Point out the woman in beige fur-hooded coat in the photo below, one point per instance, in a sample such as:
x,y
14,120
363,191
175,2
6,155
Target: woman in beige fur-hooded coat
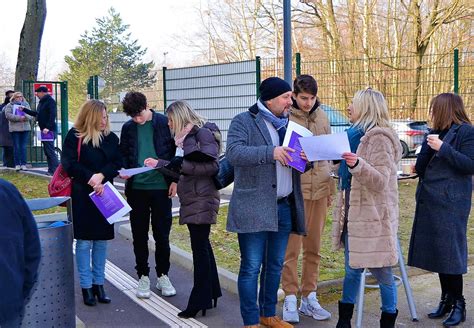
x,y
369,230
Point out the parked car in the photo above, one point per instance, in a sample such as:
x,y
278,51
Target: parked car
x,y
411,134
337,119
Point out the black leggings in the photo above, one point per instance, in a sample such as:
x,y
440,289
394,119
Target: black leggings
x,y
451,284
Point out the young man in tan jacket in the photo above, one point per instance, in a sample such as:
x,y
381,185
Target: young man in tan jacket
x,y
317,187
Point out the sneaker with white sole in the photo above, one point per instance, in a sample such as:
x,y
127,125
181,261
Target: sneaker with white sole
x,y
290,309
23,167
17,167
311,307
164,284
143,289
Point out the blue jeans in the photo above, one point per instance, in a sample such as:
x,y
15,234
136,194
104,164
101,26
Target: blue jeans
x,y
20,140
51,158
265,250
96,275
384,276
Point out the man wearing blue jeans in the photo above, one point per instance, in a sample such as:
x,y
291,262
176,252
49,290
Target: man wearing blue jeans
x,y
266,204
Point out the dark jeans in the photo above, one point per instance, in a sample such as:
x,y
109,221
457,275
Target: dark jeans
x,y
48,147
266,251
8,159
206,280
20,140
158,204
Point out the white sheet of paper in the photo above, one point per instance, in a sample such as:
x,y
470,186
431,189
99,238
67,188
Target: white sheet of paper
x,y
325,147
299,129
134,171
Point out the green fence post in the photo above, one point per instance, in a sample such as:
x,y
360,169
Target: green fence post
x,y
258,75
456,71
96,86
90,89
64,110
164,88
298,64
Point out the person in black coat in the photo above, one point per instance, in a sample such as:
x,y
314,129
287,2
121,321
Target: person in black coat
x,y
199,143
445,166
46,112
149,194
20,254
6,141
97,162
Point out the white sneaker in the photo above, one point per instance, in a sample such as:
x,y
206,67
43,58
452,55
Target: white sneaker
x,y
17,167
290,312
23,167
164,284
311,307
143,289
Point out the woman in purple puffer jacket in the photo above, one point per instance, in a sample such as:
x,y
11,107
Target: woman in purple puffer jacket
x,y
198,142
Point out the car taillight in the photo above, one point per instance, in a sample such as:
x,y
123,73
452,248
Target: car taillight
x,y
412,133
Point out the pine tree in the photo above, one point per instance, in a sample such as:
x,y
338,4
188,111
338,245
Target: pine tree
x,y
107,51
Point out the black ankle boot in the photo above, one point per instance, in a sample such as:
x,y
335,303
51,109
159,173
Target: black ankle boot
x,y
191,313
98,290
345,315
458,313
387,320
88,296
445,306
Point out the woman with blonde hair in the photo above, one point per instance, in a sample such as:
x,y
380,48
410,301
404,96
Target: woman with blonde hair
x,y
91,158
19,125
368,216
445,166
198,142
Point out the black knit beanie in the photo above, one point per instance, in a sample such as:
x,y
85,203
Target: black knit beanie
x,y
273,87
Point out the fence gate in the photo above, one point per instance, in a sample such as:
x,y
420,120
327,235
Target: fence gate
x,y
59,91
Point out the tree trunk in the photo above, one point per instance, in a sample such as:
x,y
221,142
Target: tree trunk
x,y
30,42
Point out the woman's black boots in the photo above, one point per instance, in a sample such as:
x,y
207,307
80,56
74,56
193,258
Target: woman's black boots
x,y
458,313
98,290
444,307
345,315
88,296
387,320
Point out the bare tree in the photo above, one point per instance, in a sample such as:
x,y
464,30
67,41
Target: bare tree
x,y
30,42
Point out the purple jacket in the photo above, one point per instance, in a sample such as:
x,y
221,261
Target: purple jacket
x,y
197,193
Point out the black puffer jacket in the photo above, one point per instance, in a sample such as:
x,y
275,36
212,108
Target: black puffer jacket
x,y
162,140
197,193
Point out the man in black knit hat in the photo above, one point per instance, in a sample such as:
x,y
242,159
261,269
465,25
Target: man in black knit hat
x,y
266,203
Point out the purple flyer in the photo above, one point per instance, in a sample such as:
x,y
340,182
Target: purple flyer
x,y
111,204
46,136
298,163
17,111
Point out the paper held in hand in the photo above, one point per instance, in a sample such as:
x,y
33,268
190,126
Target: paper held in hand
x,y
45,136
293,132
325,147
111,204
135,171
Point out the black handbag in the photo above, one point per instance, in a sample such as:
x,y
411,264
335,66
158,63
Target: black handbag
x,y
225,176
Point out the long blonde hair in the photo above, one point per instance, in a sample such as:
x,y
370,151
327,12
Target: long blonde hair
x,y
372,109
88,122
181,113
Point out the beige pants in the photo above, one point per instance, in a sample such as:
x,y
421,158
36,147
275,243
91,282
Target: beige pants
x,y
315,212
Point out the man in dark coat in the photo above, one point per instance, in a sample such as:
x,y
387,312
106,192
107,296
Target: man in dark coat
x,y
6,141
20,254
147,135
45,113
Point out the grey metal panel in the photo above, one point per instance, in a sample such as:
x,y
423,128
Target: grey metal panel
x,y
213,92
210,70
210,81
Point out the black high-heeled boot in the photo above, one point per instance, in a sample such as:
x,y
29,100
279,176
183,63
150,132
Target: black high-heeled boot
x,y
458,313
215,302
445,306
98,290
191,313
88,297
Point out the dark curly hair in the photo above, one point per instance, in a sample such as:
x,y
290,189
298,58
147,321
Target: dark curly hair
x,y
133,103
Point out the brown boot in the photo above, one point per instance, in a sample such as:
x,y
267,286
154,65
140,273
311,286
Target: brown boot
x,y
274,322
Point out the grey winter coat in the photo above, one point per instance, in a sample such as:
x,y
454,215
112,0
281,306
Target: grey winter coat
x,y
15,121
253,206
443,202
198,196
